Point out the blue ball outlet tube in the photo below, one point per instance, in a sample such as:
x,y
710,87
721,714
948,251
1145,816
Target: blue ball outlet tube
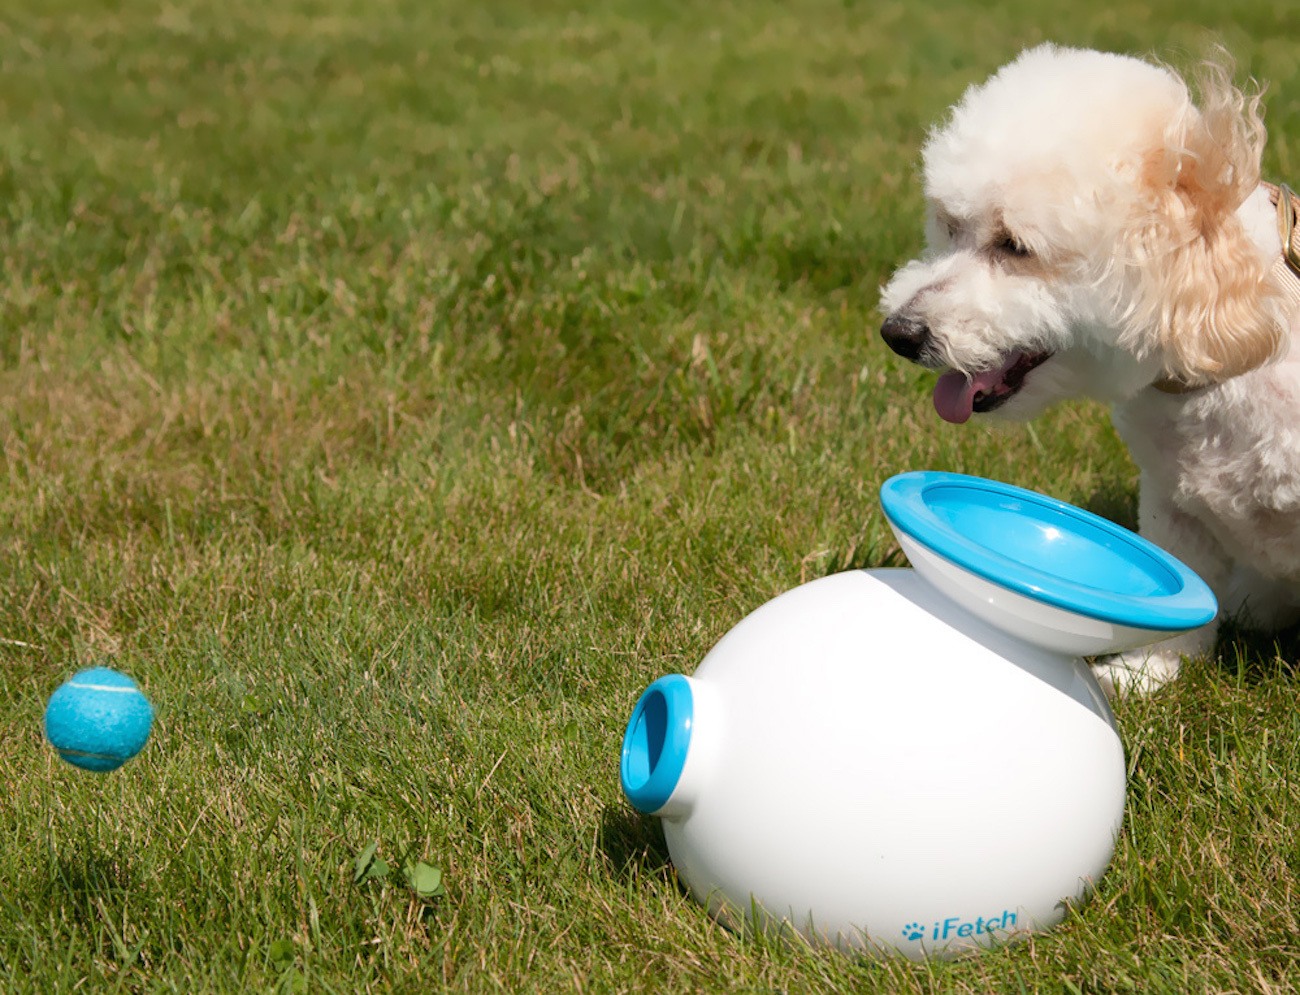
x,y
656,742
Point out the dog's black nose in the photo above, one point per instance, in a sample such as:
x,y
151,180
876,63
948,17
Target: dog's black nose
x,y
906,335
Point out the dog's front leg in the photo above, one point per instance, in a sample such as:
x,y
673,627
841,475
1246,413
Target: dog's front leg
x,y
1148,668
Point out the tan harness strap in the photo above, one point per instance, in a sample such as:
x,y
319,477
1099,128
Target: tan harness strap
x,y
1286,269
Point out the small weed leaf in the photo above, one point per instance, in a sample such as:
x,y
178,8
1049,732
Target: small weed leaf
x,y
282,952
424,880
361,866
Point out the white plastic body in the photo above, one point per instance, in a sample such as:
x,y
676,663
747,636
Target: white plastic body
x,y
1042,624
883,771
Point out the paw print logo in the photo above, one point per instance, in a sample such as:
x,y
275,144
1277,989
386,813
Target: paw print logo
x,y
913,931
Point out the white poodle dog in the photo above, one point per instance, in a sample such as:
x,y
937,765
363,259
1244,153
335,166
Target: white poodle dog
x,y
1096,230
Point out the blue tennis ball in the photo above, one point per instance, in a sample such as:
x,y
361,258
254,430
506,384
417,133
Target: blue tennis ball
x,y
98,719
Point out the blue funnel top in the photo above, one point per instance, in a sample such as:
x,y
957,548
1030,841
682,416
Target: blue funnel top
x,y
1048,550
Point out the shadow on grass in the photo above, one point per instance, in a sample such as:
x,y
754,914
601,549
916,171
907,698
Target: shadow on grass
x,y
1117,502
83,877
86,887
1255,657
634,843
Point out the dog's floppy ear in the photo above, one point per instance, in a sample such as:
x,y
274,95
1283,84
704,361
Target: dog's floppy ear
x,y
1203,285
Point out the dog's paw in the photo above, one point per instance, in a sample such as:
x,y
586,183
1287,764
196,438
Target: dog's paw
x,y
1147,669
1140,671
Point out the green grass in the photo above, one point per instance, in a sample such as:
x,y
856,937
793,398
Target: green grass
x,y
396,388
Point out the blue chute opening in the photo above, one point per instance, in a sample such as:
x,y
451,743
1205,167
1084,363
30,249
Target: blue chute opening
x,y
656,742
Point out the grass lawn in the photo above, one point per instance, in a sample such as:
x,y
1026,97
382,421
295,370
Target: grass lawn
x,y
395,388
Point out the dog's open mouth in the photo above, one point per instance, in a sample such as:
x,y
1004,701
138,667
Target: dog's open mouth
x,y
957,396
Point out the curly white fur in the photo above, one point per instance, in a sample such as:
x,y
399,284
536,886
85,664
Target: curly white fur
x,y
1087,213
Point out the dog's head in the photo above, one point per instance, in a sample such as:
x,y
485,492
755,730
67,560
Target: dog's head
x,y
1083,239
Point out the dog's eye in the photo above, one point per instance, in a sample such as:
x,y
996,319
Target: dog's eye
x,y
1008,245
946,224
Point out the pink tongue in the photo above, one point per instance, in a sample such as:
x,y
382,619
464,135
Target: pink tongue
x,y
954,394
